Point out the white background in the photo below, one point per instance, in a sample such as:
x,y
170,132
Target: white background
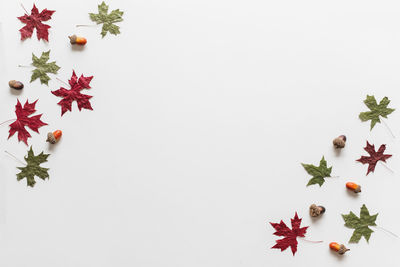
x,y
203,112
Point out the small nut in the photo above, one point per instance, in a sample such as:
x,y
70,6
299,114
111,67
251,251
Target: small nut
x,y
340,141
16,85
316,211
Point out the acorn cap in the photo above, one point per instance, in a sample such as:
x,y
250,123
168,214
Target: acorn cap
x,y
358,189
50,138
342,249
72,39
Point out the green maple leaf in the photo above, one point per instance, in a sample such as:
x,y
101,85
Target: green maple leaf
x,y
360,224
318,173
376,110
108,20
42,67
33,168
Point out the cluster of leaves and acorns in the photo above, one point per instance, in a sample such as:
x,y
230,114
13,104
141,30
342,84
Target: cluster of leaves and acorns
x,y
361,224
24,113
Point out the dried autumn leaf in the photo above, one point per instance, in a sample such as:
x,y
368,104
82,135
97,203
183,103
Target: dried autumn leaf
x,y
34,20
374,157
318,173
290,235
74,94
376,110
33,122
360,224
107,20
42,67
33,168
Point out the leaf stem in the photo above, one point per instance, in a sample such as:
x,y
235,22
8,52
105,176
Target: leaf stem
x,y
25,66
387,231
26,12
62,81
86,25
311,241
15,157
387,126
7,121
387,167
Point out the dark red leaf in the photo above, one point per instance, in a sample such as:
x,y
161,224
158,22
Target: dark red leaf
x,y
34,122
374,156
74,94
34,20
290,235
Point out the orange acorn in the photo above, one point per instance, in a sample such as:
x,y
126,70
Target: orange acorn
x,y
77,40
354,187
54,137
339,248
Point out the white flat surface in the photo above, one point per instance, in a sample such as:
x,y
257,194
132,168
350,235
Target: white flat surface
x,y
203,112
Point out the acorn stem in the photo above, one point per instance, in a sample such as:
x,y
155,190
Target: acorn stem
x,y
15,157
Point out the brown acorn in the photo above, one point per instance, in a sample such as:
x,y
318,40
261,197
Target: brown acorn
x,y
16,85
340,141
54,137
316,211
339,248
77,40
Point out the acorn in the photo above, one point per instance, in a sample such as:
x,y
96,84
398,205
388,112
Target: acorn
x,y
17,85
316,211
340,141
339,248
54,137
77,40
353,187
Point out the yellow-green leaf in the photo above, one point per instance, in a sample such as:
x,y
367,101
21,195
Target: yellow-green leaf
x,y
107,20
360,225
33,168
42,67
318,173
376,110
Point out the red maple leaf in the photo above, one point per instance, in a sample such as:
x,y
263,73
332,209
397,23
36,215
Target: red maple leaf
x,y
374,156
74,94
290,235
34,122
34,20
